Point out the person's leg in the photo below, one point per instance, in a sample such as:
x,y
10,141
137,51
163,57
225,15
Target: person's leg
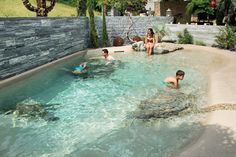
x,y
147,48
151,49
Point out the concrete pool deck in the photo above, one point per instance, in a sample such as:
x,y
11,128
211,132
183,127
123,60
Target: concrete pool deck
x,y
219,136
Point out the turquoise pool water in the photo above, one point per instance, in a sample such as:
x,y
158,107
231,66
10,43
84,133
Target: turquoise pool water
x,y
93,110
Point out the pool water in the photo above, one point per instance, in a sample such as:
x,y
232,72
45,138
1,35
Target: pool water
x,y
93,109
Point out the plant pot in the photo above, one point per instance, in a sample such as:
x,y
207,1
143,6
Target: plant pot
x,y
118,41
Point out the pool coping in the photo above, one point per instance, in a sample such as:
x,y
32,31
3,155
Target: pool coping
x,y
29,73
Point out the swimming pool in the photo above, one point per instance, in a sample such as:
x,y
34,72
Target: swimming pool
x,y
94,109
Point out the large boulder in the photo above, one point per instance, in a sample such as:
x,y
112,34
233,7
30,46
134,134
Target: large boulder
x,y
164,105
32,109
160,48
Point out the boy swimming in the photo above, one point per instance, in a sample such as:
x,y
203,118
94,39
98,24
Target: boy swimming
x,y
81,69
173,81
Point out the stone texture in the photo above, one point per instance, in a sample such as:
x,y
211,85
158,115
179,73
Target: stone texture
x,y
205,33
45,39
162,48
119,26
164,105
26,43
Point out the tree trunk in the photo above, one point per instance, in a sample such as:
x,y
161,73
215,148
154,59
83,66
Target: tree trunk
x,y
105,7
81,7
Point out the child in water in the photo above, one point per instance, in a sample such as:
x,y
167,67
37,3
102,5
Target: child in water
x,y
108,57
173,81
81,69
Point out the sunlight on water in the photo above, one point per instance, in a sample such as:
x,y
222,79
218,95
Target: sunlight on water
x,y
93,109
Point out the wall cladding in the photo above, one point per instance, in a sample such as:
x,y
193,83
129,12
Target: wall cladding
x,y
26,43
119,26
205,33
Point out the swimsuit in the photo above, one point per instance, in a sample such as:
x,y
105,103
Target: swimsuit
x,y
150,40
165,83
79,68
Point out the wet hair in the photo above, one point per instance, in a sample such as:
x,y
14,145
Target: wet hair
x,y
180,73
105,51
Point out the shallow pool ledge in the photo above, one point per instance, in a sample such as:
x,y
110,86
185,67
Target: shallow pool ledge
x,y
26,74
219,136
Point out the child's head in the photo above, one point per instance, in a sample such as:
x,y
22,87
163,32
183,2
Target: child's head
x,y
105,52
180,74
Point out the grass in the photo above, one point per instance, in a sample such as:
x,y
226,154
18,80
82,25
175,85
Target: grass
x,y
15,8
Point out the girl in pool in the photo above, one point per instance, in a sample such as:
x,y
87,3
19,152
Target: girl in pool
x,y
150,41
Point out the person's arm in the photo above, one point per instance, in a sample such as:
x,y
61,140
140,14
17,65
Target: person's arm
x,y
175,84
145,40
155,39
172,83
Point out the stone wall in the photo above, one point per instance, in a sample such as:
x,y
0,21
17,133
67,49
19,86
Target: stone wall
x,y
26,43
120,25
205,33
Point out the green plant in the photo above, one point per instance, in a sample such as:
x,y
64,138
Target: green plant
x,y
161,31
197,7
104,30
93,32
226,38
201,43
185,37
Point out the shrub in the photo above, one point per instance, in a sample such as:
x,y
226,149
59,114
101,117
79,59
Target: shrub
x,y
93,32
185,37
160,31
226,38
201,43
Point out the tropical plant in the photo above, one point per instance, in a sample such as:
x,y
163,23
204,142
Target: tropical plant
x,y
81,7
93,32
185,37
226,38
161,31
199,7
